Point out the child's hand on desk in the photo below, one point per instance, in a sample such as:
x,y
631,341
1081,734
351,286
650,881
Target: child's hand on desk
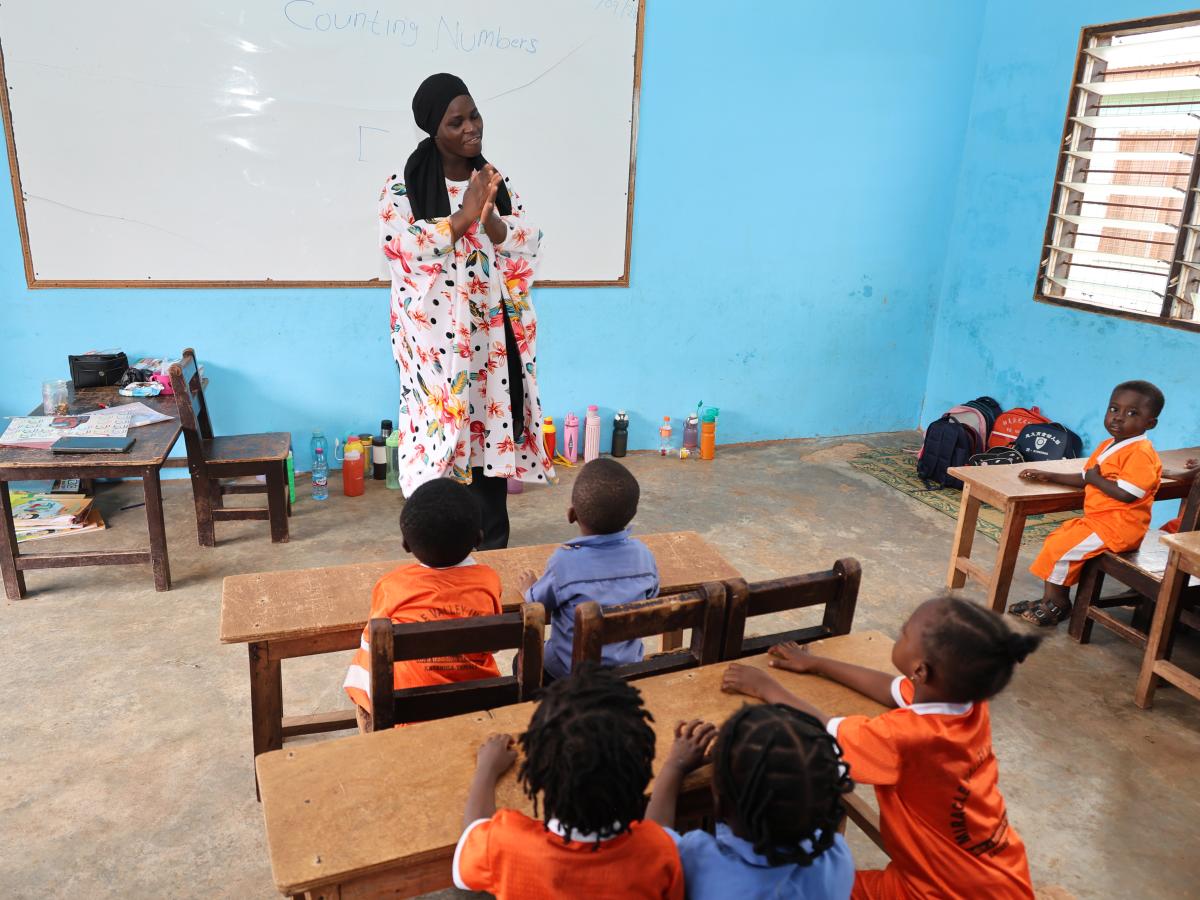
x,y
741,679
496,755
525,581
793,657
692,742
1035,475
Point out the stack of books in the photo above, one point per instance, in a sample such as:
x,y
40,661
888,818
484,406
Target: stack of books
x,y
37,516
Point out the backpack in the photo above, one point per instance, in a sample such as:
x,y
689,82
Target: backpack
x,y
1040,443
947,443
974,420
1009,424
990,408
998,456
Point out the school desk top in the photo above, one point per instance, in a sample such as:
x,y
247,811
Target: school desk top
x,y
300,602
152,445
998,485
1187,545
340,809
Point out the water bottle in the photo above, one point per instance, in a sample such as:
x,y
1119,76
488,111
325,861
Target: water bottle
x,y
664,437
549,437
378,458
320,474
352,467
385,428
691,428
620,439
708,433
291,472
392,445
570,438
318,440
591,434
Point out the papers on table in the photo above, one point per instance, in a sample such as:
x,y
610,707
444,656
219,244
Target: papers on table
x,y
139,414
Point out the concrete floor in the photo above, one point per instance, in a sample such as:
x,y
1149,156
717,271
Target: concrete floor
x,y
125,767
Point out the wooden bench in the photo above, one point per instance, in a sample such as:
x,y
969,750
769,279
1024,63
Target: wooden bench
x,y
702,610
392,643
835,589
342,823
1141,569
304,612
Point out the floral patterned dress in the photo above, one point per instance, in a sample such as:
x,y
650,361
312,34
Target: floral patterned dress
x,y
448,338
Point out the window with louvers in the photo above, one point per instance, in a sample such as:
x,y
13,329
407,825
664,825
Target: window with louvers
x,y
1123,235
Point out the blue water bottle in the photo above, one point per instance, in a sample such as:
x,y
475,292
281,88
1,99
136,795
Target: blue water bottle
x,y
320,475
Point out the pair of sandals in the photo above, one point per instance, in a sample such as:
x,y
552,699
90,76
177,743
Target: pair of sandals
x,y
1041,612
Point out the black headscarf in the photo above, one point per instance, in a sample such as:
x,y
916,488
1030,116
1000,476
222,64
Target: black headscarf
x,y
424,177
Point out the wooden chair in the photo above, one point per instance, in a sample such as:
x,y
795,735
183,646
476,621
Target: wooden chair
x,y
701,610
836,589
392,643
212,458
1140,569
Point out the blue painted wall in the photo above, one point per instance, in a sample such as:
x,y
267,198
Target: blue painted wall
x,y
991,337
795,186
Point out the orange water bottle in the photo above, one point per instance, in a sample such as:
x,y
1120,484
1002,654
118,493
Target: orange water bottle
x,y
708,433
549,437
353,460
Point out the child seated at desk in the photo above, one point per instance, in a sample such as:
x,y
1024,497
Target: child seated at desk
x,y
930,758
604,564
588,755
778,781
440,525
1119,482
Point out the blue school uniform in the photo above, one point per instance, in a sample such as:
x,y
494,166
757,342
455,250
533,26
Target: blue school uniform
x,y
608,568
725,866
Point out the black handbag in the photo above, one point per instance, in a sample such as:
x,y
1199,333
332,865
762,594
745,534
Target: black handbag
x,y
97,369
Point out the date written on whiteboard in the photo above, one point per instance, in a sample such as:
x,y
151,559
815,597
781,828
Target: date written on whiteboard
x,y
619,8
331,17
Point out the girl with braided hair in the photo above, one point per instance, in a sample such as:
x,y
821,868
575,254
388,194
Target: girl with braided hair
x,y
588,756
930,757
778,781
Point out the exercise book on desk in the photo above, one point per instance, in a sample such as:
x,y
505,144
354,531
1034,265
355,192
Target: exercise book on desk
x,y
40,432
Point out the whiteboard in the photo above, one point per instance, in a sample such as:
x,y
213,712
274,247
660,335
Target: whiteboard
x,y
190,142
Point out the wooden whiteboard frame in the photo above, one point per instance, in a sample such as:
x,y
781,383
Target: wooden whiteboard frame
x,y
33,282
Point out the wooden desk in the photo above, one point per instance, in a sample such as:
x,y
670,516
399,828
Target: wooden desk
x,y
309,611
355,818
1183,562
1003,488
144,460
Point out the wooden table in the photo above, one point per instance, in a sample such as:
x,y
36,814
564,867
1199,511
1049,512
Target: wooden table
x,y
1003,488
1183,563
150,449
359,817
304,612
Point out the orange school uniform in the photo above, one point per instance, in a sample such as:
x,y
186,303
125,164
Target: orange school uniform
x,y
941,813
1107,524
419,593
511,855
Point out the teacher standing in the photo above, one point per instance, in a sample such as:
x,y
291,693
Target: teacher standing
x,y
462,255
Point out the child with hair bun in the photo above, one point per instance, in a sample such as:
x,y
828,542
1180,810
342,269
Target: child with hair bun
x,y
930,757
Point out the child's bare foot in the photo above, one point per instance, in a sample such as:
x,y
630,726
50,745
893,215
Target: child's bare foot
x,y
791,656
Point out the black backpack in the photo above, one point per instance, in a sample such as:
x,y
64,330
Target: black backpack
x,y
1049,441
948,443
997,456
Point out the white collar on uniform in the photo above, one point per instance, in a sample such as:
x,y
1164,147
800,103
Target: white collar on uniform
x,y
556,827
469,561
1118,445
926,709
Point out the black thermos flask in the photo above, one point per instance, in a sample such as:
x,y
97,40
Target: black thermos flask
x,y
620,440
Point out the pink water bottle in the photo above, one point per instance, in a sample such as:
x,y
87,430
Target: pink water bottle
x,y
570,440
591,434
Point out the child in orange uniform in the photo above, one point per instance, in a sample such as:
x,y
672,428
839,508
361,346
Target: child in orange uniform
x,y
1119,482
441,524
588,753
930,758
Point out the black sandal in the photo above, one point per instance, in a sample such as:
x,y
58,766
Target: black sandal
x,y
1022,605
1046,614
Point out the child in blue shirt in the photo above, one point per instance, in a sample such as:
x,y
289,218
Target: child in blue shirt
x,y
778,781
603,564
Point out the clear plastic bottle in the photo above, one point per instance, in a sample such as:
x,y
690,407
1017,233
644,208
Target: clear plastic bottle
x,y
393,461
320,475
318,440
664,437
